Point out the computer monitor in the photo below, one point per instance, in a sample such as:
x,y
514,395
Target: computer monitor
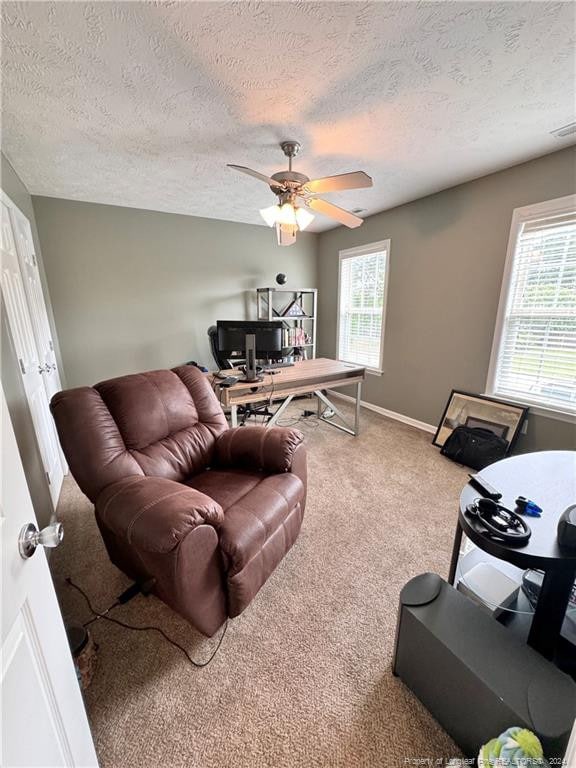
x,y
250,340
232,338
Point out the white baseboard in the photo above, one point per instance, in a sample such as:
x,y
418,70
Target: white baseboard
x,y
389,414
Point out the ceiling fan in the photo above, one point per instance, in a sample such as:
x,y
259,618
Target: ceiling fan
x,y
297,195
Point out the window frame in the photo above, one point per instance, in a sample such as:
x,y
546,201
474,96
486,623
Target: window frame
x,y
520,216
363,250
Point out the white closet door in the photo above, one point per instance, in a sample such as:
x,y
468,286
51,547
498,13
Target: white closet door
x,y
31,365
36,303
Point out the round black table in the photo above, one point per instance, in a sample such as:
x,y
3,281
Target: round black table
x,y
549,479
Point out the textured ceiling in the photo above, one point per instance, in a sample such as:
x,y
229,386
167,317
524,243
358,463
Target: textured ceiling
x,y
143,104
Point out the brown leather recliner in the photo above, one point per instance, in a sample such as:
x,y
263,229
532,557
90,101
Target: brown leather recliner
x,y
205,510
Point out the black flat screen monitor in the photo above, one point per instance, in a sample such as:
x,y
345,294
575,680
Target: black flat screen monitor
x,y
232,338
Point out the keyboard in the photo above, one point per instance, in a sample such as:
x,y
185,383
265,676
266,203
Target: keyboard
x,y
275,366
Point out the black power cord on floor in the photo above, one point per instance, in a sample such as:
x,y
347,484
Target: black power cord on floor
x,y
124,598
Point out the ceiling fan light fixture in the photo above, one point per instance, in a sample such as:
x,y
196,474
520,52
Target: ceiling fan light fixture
x,y
287,215
270,214
303,218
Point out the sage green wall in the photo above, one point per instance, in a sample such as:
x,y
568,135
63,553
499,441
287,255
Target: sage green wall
x,y
11,379
446,265
134,289
137,289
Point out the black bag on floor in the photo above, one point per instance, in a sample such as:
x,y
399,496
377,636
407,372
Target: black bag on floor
x,y
474,446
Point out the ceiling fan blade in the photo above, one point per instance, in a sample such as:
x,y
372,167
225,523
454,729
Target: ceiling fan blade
x,y
261,176
334,212
355,180
285,236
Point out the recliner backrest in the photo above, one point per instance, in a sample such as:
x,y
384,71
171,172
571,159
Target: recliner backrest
x,y
160,423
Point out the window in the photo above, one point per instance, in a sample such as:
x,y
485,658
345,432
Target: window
x,y
362,304
534,351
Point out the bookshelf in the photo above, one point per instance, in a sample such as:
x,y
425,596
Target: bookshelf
x,y
274,303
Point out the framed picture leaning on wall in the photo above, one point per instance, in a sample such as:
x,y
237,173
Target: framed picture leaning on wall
x,y
465,409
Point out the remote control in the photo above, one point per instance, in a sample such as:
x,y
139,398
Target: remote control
x,y
229,381
484,487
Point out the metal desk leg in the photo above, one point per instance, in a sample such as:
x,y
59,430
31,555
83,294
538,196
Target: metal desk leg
x,y
344,426
234,415
455,554
357,408
550,611
279,411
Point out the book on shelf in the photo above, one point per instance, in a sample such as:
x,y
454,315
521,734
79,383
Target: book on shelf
x,y
294,337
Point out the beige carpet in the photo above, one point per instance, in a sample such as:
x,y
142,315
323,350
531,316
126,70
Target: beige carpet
x,y
303,677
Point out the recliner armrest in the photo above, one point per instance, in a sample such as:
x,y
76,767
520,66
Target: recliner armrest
x,y
155,514
270,450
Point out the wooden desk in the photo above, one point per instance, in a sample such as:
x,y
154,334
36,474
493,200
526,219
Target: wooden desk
x,y
304,377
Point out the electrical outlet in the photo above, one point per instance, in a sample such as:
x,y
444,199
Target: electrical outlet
x,y
524,430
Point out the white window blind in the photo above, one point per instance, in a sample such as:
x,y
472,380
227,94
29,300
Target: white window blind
x,y
363,278
536,347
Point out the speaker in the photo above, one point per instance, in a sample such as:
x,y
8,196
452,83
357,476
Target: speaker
x,y
473,674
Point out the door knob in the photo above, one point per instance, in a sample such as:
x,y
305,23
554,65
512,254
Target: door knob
x,y
30,537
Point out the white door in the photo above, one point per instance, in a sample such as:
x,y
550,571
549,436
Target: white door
x,y
42,713
36,304
31,366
